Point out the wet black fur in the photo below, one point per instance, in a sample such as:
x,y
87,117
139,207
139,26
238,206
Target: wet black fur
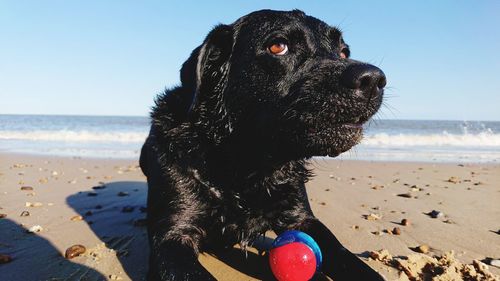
x,y
225,159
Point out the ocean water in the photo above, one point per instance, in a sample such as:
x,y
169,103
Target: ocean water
x,y
80,136
430,141
122,137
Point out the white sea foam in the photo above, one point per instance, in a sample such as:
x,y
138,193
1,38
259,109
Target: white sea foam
x,y
483,139
74,136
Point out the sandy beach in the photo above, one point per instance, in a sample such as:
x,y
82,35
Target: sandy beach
x,y
100,204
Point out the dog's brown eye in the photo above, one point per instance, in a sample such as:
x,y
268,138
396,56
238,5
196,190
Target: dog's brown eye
x,y
278,49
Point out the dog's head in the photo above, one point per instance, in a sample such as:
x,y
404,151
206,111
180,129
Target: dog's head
x,y
284,79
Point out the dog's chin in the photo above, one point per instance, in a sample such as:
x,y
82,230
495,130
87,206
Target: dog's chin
x,y
332,141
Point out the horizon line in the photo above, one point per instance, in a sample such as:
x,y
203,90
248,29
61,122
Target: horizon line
x,y
147,116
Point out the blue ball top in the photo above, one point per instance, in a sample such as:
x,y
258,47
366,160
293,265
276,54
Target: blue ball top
x,y
291,236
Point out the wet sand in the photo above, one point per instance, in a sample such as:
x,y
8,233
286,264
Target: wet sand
x,y
99,204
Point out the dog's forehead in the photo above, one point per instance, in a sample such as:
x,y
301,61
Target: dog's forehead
x,y
259,24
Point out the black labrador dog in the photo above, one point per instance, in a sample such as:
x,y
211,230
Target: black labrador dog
x,y
225,158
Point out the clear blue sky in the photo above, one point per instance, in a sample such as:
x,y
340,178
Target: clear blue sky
x,y
442,58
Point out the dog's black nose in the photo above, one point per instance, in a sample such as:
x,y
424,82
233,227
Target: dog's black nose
x,y
365,77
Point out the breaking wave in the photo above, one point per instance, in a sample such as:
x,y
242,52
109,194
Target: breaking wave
x,y
74,136
482,139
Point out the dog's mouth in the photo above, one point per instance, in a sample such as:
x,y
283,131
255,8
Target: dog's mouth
x,y
336,137
333,139
348,125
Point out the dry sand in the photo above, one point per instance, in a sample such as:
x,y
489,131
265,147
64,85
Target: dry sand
x,y
362,202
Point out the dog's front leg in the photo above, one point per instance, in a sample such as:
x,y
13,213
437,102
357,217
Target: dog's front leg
x,y
170,260
338,262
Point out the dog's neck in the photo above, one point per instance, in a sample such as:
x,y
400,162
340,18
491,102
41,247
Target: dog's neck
x,y
241,158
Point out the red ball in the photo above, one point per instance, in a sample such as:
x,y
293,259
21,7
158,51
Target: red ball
x,y
292,262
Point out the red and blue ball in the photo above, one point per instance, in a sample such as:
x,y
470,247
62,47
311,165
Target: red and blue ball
x,y
294,256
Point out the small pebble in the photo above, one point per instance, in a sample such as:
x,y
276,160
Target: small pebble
x,y
355,227
99,187
128,209
372,217
92,194
76,218
405,222
88,213
381,255
34,204
114,277
396,231
424,249
27,188
25,214
5,258
35,228
122,193
3,216
454,180
322,203
405,195
74,251
495,263
435,214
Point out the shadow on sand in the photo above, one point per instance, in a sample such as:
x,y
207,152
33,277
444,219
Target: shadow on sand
x,y
116,213
35,258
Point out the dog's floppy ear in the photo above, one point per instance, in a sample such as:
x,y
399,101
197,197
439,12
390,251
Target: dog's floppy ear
x,y
204,75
